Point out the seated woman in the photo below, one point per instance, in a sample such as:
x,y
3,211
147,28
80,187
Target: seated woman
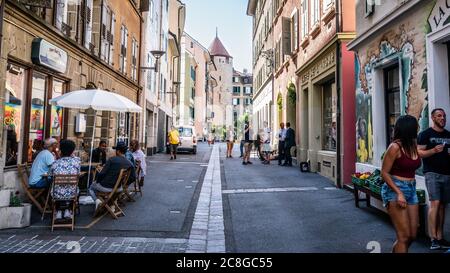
x,y
66,165
139,156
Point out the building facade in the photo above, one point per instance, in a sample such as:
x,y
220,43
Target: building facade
x,y
86,44
326,83
196,65
300,48
242,100
263,13
222,109
402,59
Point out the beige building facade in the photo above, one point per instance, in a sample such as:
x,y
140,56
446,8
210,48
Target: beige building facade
x,y
99,51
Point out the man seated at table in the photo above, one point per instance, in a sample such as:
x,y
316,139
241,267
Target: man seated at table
x,y
107,178
66,165
99,154
41,165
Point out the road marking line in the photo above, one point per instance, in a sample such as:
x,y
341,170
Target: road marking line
x,y
266,190
330,188
179,162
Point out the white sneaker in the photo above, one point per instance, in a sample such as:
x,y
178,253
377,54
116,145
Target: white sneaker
x,y
58,215
98,202
67,214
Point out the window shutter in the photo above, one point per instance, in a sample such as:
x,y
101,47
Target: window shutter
x,y
88,14
286,37
370,6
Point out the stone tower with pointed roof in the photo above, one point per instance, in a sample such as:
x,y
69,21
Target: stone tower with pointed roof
x,y
222,93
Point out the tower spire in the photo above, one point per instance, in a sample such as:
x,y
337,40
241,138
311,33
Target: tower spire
x,y
217,32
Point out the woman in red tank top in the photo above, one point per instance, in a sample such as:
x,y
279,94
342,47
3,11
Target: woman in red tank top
x,y
399,192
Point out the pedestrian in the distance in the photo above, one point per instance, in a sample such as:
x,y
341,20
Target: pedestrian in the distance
x,y
400,163
281,141
289,142
174,141
248,144
230,141
434,148
266,143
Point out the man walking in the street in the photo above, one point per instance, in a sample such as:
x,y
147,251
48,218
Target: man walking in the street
x,y
289,142
174,140
433,146
248,141
281,140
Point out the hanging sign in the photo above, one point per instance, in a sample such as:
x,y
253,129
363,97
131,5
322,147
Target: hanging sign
x,y
48,55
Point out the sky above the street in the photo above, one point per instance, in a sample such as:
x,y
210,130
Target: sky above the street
x,y
229,16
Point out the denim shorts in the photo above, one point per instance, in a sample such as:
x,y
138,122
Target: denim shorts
x,y
438,186
408,189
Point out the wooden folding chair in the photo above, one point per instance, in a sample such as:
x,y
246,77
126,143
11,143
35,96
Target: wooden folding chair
x,y
109,199
71,183
139,180
126,193
35,195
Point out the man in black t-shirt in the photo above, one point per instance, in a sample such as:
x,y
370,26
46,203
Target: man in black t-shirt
x,y
434,149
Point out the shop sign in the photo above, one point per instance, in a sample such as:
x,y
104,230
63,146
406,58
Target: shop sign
x,y
48,55
440,15
37,3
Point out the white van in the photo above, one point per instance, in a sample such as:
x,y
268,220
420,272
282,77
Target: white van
x,y
188,139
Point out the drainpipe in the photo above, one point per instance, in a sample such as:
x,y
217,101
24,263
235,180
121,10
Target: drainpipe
x,y
139,94
2,14
338,95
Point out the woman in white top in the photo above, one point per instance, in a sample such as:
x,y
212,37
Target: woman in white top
x,y
230,141
265,141
139,156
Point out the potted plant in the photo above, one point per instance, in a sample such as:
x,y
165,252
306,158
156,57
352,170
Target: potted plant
x,y
17,215
4,198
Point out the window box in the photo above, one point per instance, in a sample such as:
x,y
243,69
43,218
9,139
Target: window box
x,y
315,30
305,42
329,15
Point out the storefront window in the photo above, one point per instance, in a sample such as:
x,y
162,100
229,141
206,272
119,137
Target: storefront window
x,y
329,117
392,84
57,112
37,115
15,87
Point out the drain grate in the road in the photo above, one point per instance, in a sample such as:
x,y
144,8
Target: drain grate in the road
x,y
269,190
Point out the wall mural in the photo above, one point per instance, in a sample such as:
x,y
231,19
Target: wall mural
x,y
405,44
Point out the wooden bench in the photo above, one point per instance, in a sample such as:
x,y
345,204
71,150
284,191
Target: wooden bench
x,y
357,189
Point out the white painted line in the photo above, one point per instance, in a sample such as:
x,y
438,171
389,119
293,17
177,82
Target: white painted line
x,y
175,211
180,180
270,190
178,162
194,181
330,188
209,213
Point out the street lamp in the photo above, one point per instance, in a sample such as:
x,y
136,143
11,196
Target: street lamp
x,y
157,54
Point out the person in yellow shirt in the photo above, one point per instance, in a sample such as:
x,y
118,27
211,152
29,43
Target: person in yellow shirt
x,y
174,141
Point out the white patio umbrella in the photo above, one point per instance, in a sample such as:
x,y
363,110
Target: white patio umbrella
x,y
98,100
